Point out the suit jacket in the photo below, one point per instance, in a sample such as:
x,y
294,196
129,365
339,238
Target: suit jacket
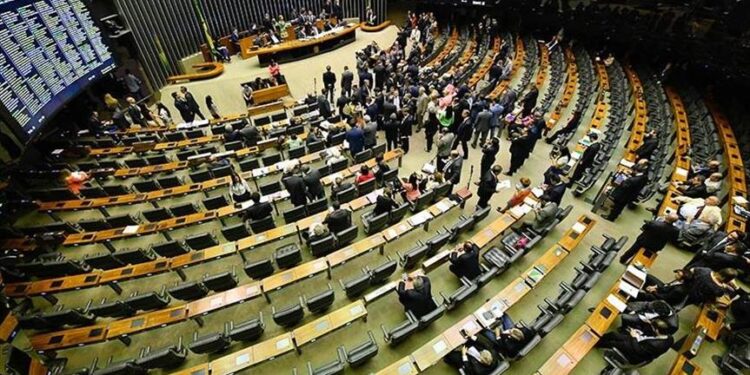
x,y
259,211
472,366
324,107
509,347
466,264
356,138
647,148
383,204
391,128
371,133
629,189
556,193
488,184
295,185
484,120
418,301
645,350
464,130
250,135
656,234
347,78
545,215
452,170
329,79
444,145
588,155
338,220
313,184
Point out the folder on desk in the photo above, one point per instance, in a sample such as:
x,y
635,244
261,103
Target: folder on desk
x,y
627,163
537,192
616,303
131,229
628,289
579,227
420,218
635,276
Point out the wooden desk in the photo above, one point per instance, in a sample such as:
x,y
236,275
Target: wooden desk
x,y
517,63
404,366
71,337
330,322
8,328
449,45
582,341
253,355
560,362
374,28
541,75
273,106
301,48
146,322
603,316
437,348
571,84
18,244
201,369
271,94
641,116
684,366
486,65
205,71
293,275
223,299
350,252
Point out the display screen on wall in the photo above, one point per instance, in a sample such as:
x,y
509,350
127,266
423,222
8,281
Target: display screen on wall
x,y
50,50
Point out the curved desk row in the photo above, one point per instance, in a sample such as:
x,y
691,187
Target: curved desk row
x,y
204,71
301,48
517,62
374,28
487,65
571,84
447,48
682,164
641,116
541,75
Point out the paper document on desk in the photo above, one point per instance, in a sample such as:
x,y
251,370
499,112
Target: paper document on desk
x,y
420,218
537,192
373,197
131,229
259,172
627,163
520,210
579,227
616,303
682,172
504,184
628,289
634,276
444,205
530,201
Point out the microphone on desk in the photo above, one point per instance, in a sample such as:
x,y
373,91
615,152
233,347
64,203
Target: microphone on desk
x,y
471,174
315,85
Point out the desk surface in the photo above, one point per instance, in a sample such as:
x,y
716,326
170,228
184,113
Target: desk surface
x,y
328,323
300,43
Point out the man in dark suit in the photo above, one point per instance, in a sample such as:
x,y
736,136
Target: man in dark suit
x,y
338,219
380,75
519,146
627,192
347,78
324,106
482,126
416,295
250,135
649,145
452,168
587,159
385,202
556,190
488,185
356,139
463,133
655,234
329,82
465,261
192,103
637,346
312,179
259,210
295,185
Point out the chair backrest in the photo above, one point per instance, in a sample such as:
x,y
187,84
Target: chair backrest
x,y
270,188
184,155
221,281
366,187
262,225
296,152
120,221
249,164
247,331
363,156
480,214
316,146
271,159
361,353
423,200
114,309
188,291
297,129
317,206
293,214
200,175
183,209
157,214
147,301
235,232
259,269
93,192
346,195
136,163
288,316
218,201
340,165
234,145
381,273
288,256
437,241
335,367
195,133
201,241
354,287
179,136
134,255
412,256
102,261
398,213
320,302
378,149
337,139
211,343
222,171
93,225
146,186
442,190
260,121
157,159
279,116
373,223
168,357
170,182
390,175
323,246
346,236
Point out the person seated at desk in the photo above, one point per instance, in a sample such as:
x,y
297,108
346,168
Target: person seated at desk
x,y
308,17
713,166
476,357
511,340
639,346
673,292
316,232
262,40
315,135
693,188
221,53
465,261
523,190
99,127
259,210
432,181
411,187
230,134
339,218
339,185
713,183
385,202
293,142
259,84
234,38
545,213
415,295
307,31
364,175
327,25
641,315
240,189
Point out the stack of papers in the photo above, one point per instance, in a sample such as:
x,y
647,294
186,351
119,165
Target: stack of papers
x,y
681,172
444,205
420,218
579,228
537,192
520,210
628,289
616,303
373,197
131,229
504,184
635,276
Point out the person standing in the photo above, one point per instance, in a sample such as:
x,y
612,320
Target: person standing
x,y
444,145
452,168
192,103
655,234
488,185
627,192
356,139
133,84
247,94
463,133
134,111
329,82
587,159
324,106
482,126
182,106
489,153
431,126
390,126
422,102
518,151
213,109
465,261
312,178
405,129
347,78
275,71
295,185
